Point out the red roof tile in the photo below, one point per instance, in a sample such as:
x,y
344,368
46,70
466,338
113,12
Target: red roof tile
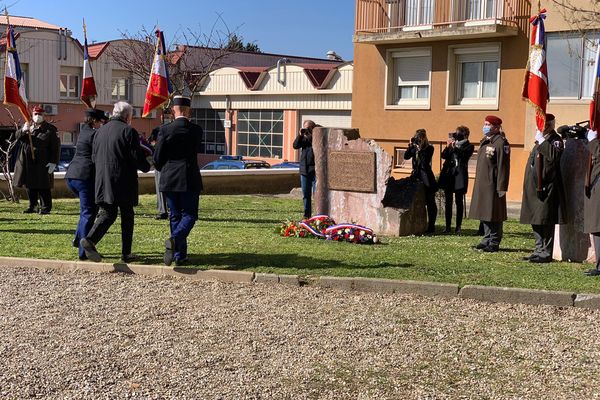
x,y
27,22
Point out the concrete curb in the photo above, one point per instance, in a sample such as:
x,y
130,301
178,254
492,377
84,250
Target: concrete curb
x,y
428,289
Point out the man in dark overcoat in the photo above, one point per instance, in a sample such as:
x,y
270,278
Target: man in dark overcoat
x,y
491,184
117,155
543,194
35,170
591,208
176,159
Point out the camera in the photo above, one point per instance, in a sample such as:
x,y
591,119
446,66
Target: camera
x,y
576,131
304,131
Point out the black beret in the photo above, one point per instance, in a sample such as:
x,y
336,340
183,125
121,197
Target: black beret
x,y
96,114
182,101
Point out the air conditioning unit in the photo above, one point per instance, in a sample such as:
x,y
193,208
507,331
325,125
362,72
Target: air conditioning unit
x,y
50,109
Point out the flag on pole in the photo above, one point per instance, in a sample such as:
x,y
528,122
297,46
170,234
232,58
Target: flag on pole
x,y
535,90
88,86
14,84
159,86
595,104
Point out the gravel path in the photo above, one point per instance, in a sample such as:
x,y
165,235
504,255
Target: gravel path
x,y
81,335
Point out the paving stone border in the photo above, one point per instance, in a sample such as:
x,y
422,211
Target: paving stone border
x,y
429,289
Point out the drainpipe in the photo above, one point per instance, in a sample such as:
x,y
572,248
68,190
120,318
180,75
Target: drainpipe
x,y
228,114
281,62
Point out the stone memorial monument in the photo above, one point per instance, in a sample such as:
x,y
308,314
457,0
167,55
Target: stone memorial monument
x,y
354,178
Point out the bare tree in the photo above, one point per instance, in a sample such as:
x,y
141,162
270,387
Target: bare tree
x,y
582,16
192,57
6,149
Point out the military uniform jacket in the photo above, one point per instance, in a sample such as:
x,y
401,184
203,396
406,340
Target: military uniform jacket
x,y
117,156
31,173
548,211
454,176
591,210
176,156
421,165
82,167
492,175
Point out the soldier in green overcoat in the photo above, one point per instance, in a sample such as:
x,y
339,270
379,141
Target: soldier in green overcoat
x,y
543,194
488,203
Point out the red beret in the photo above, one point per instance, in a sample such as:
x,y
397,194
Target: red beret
x,y
492,119
550,117
38,110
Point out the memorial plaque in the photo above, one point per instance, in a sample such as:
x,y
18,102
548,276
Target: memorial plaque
x,y
352,171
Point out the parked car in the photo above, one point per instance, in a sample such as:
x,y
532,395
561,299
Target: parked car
x,y
67,152
235,162
287,164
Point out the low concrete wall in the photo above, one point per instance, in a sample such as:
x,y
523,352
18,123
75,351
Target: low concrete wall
x,y
258,181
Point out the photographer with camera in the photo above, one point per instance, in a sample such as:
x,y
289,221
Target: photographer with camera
x,y
454,177
543,194
421,153
307,165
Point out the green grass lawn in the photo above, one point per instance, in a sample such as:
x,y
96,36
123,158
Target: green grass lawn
x,y
238,233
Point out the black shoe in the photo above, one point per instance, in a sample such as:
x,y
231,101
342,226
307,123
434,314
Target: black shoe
x,y
182,262
491,249
29,211
83,258
447,230
481,246
540,260
162,216
90,250
75,243
129,258
592,272
169,251
528,257
457,231
44,212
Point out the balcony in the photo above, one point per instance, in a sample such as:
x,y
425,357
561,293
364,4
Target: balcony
x,y
400,21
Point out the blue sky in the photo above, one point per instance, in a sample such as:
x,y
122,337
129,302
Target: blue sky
x,y
304,27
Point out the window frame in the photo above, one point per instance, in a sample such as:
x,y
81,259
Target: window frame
x,y
127,96
391,81
77,92
244,148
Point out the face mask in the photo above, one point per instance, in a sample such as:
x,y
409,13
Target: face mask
x,y
38,119
486,130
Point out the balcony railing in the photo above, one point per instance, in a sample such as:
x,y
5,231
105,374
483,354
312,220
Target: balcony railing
x,y
381,16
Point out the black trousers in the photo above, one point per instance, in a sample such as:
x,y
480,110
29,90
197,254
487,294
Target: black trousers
x,y
492,233
45,197
432,209
544,240
459,198
107,215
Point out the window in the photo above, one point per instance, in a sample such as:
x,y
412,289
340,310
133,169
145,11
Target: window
x,y
213,125
260,133
481,9
120,89
69,85
571,60
419,12
409,72
474,75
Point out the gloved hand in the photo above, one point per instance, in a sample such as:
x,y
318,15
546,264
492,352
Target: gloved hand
x,y
588,192
26,127
542,194
539,136
591,135
51,167
501,194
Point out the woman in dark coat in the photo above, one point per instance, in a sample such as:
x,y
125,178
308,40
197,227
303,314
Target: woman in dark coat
x,y
80,176
591,210
454,177
421,153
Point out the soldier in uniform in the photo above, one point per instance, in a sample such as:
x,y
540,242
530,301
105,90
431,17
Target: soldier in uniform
x,y
591,211
543,194
180,181
491,183
35,166
117,155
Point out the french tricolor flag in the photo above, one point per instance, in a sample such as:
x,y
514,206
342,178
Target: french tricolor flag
x,y
595,104
14,85
159,86
88,87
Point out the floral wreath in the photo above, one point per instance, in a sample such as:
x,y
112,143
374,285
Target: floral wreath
x,y
324,227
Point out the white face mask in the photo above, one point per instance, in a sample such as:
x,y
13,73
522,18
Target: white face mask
x,y
37,118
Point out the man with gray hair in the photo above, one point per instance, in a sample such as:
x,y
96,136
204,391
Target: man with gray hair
x,y
117,156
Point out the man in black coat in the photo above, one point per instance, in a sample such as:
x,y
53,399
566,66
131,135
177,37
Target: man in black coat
x,y
180,181
117,156
35,165
307,165
543,195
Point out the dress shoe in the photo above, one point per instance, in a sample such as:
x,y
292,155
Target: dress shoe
x,y
90,250
592,272
182,262
83,258
527,258
540,260
29,211
457,231
491,249
481,246
129,258
44,212
162,216
169,251
447,230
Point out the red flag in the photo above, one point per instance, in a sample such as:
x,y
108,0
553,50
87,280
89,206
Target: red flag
x,y
159,86
595,104
535,90
88,86
14,85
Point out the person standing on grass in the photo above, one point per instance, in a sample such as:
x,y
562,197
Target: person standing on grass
x,y
307,165
543,195
176,157
38,156
491,184
117,155
591,210
80,175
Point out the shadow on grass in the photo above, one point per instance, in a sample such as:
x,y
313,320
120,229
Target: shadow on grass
x,y
247,220
40,231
